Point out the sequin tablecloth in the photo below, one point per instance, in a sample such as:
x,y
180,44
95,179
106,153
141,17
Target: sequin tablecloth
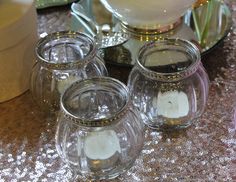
x,y
204,152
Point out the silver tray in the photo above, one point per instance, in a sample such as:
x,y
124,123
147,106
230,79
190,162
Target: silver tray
x,y
206,32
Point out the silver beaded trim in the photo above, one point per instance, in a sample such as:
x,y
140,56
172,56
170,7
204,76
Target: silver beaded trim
x,y
100,122
167,77
61,66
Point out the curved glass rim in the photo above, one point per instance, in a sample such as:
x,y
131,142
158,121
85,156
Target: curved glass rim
x,y
175,75
96,122
65,34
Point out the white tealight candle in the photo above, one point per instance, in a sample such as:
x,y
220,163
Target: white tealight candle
x,y
101,145
172,104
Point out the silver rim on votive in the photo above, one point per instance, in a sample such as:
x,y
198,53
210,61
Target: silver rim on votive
x,y
191,50
70,35
89,83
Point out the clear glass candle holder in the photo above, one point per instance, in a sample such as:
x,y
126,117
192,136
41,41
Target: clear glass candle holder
x,y
154,14
62,58
168,84
100,132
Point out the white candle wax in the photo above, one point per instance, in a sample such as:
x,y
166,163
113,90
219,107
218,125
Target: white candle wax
x,y
172,104
101,145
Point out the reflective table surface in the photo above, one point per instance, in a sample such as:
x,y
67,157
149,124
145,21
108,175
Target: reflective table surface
x,y
204,152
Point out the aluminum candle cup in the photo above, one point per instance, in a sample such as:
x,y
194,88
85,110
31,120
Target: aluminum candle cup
x,y
62,58
169,84
100,132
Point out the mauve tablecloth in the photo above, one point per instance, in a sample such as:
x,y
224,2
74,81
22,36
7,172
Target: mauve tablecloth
x,y
204,152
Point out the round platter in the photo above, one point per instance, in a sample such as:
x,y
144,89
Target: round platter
x,y
205,26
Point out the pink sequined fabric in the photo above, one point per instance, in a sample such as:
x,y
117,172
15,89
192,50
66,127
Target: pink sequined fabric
x,y
204,152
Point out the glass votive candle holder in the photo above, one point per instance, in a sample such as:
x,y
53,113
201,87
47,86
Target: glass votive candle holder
x,y
168,84
100,132
62,58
